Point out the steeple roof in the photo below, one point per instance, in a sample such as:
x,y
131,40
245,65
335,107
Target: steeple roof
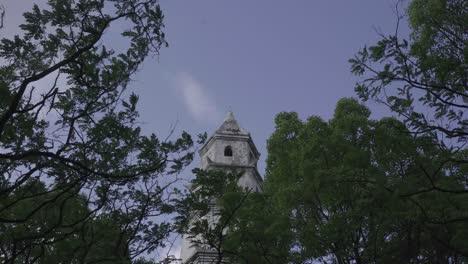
x,y
230,130
231,127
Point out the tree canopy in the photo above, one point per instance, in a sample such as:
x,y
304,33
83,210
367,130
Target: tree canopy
x,y
79,181
362,191
347,190
422,79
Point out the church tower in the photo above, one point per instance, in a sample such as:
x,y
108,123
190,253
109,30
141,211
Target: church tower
x,y
230,148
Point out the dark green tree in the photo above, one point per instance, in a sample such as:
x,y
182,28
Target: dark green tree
x,y
422,79
60,232
357,190
75,167
235,225
350,190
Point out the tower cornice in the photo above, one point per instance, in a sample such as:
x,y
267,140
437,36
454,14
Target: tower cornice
x,y
232,137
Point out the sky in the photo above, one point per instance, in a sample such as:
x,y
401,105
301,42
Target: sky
x,y
257,58
254,57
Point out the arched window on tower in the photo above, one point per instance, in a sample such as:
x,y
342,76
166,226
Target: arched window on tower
x,y
228,151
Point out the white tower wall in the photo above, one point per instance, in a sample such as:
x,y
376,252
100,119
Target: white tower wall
x,y
243,158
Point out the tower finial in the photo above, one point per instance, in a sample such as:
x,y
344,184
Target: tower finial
x,y
229,116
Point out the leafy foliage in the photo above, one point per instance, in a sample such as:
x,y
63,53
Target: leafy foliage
x,y
79,181
231,224
363,191
424,79
350,190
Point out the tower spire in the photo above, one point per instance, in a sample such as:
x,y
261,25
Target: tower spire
x,y
229,116
229,149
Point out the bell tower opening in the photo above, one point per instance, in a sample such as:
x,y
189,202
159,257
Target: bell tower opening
x,y
228,151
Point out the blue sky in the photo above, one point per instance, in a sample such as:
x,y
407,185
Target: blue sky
x,y
256,57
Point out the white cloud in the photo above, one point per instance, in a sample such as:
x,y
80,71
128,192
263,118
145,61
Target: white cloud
x,y
197,100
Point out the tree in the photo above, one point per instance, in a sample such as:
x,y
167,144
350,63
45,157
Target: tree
x,y
73,240
72,156
233,224
356,190
422,79
350,190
